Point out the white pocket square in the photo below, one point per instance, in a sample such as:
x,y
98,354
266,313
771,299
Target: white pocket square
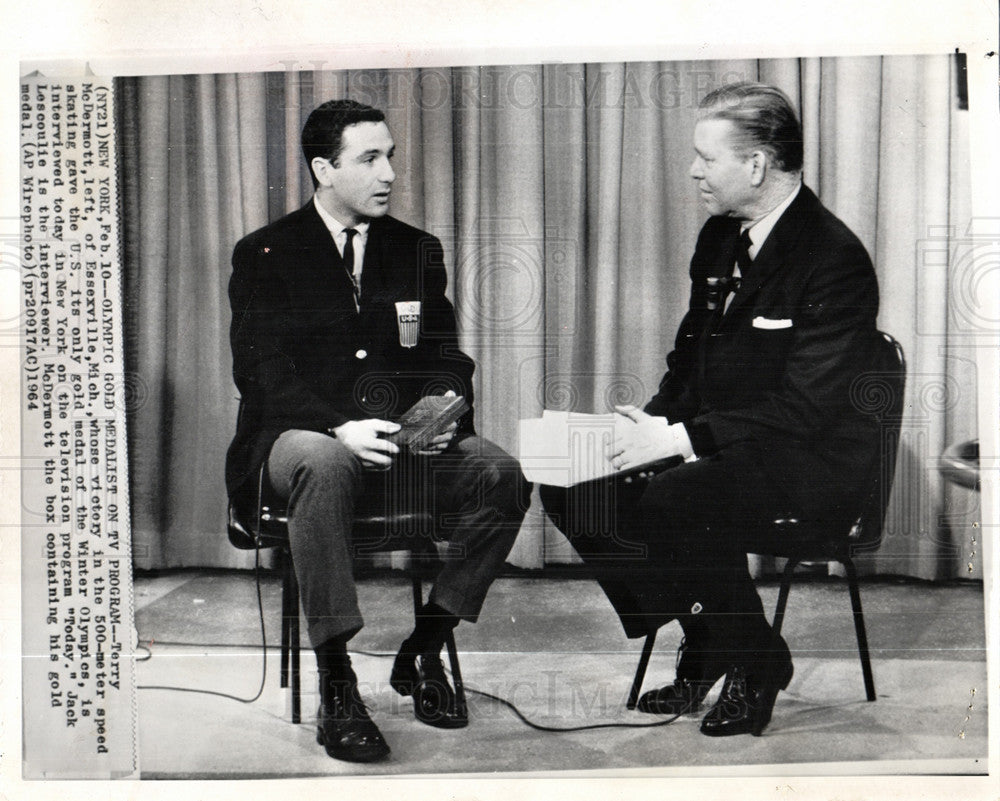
x,y
771,325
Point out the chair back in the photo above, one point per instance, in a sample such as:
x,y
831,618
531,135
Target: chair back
x,y
252,524
880,392
240,530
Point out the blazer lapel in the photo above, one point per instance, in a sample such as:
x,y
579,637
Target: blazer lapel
x,y
317,241
376,263
721,265
727,255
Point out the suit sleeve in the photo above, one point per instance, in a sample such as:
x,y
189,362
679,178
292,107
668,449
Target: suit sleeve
x,y
833,336
440,330
261,369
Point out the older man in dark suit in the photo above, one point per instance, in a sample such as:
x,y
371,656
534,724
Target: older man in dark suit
x,y
340,323
754,416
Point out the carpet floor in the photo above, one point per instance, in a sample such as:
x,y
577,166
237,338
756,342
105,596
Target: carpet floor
x,y
555,649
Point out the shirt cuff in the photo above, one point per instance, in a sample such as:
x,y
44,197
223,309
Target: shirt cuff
x,y
683,442
700,437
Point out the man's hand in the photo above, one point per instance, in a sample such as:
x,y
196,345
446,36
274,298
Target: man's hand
x,y
642,439
361,437
441,441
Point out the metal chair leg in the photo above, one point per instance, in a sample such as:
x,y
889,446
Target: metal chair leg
x,y
286,616
418,595
295,637
859,627
786,586
640,671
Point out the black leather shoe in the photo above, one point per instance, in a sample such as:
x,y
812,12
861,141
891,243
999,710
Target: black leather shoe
x,y
345,729
697,672
434,701
747,699
680,698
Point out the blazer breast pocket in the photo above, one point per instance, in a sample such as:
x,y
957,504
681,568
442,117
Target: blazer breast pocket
x,y
764,351
772,323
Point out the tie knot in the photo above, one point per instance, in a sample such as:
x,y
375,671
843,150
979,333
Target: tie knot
x,y
349,233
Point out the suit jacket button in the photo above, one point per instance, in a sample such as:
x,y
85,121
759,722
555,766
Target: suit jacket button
x,y
361,354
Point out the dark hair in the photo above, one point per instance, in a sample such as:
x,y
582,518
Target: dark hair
x,y
323,134
764,118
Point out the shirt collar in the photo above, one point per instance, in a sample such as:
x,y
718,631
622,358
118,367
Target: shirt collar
x,y
760,230
335,226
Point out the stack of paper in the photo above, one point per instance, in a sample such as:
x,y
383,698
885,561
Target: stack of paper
x,y
566,448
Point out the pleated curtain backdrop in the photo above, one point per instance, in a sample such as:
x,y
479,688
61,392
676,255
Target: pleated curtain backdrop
x,y
561,194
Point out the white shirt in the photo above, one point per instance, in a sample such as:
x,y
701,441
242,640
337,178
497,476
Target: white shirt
x,y
760,230
337,228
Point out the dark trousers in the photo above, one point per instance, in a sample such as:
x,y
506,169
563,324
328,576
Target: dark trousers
x,y
674,546
475,491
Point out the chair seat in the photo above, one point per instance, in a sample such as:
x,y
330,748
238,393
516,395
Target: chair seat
x,y
372,530
807,540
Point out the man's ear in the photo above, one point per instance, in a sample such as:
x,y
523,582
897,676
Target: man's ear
x,y
322,169
758,167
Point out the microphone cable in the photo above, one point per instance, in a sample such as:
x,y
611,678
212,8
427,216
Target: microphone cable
x,y
562,729
263,639
496,698
540,727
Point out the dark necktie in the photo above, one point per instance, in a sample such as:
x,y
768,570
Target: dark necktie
x,y
721,289
743,252
349,264
744,262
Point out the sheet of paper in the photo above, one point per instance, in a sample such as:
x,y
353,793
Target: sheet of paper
x,y
563,448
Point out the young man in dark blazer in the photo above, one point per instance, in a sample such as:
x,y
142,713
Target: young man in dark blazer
x,y
754,416
340,324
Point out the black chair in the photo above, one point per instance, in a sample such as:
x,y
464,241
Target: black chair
x,y
265,525
960,464
879,393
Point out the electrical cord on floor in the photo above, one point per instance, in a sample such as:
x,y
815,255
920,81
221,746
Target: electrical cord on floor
x,y
509,704
560,729
263,639
538,726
